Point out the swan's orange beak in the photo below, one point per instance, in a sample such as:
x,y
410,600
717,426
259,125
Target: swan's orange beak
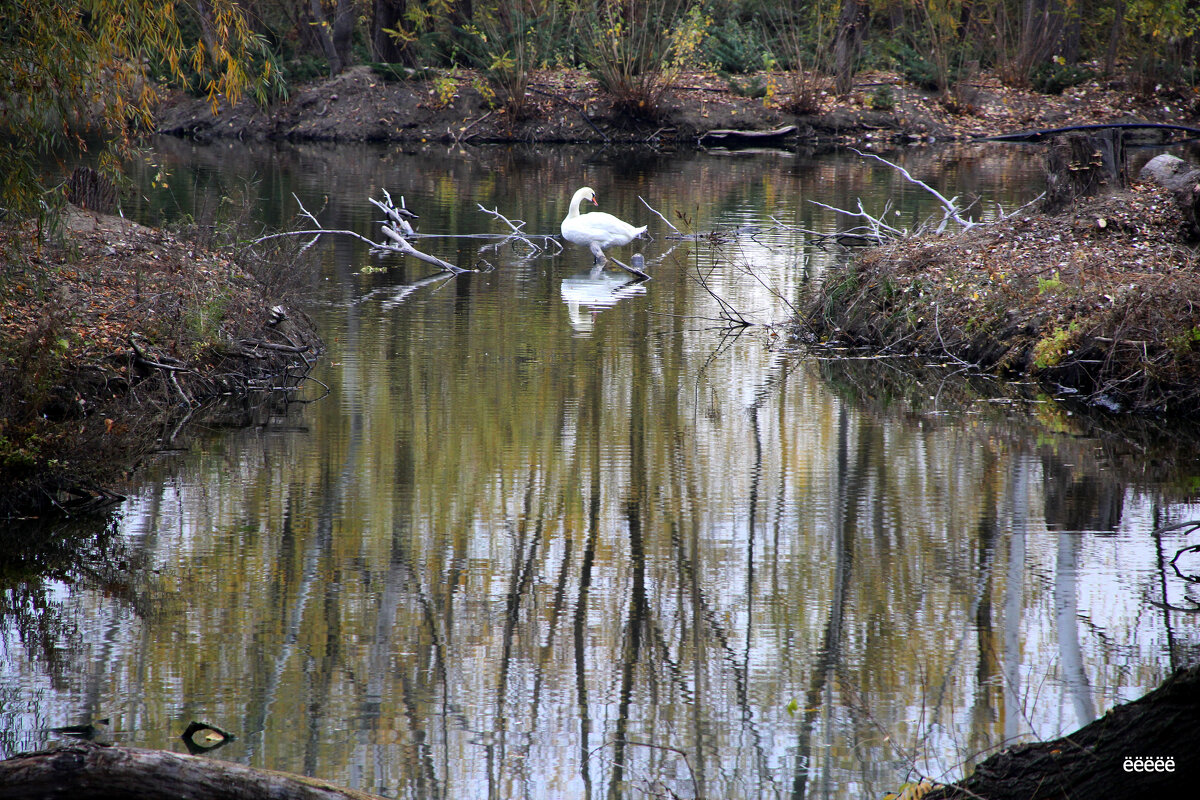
x,y
594,201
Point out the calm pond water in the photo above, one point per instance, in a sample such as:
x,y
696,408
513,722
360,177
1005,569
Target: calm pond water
x,y
554,534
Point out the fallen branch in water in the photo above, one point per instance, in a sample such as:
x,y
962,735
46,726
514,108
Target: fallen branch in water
x,y
396,228
519,235
950,208
638,267
660,216
878,231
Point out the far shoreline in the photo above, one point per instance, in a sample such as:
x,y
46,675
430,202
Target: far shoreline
x,y
568,107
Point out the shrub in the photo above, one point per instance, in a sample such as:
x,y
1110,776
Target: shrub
x,y
634,62
917,69
753,86
883,99
734,47
1051,349
1055,76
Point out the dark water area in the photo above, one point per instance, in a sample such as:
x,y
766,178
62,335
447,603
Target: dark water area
x,y
552,533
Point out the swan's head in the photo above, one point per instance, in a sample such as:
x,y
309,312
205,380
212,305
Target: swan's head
x,y
587,193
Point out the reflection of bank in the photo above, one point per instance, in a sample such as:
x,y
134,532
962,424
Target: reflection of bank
x,y
589,293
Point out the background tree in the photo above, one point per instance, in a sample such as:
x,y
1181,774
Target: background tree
x,y
81,69
336,35
387,17
851,28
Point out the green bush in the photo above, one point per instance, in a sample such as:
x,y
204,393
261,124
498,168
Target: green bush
x,y
1054,77
753,86
883,99
734,47
917,69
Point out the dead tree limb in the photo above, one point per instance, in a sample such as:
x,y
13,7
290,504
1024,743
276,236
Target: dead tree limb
x,y
519,235
723,136
878,231
396,229
106,772
1039,135
660,216
637,269
950,208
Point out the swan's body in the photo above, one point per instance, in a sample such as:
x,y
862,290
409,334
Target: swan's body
x,y
596,230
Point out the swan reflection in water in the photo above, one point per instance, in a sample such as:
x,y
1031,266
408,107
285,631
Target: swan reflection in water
x,y
589,293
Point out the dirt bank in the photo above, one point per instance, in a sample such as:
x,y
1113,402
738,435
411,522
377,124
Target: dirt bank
x,y
1097,303
111,335
568,106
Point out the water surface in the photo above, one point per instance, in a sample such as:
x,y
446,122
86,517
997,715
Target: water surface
x,y
551,533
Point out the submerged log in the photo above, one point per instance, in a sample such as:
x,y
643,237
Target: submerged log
x,y
1080,165
1149,747
1183,181
106,772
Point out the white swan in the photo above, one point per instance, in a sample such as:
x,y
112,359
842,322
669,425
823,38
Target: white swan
x,y
596,230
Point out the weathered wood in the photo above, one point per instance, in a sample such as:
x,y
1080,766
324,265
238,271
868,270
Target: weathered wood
x,y
91,771
1183,180
1045,133
1105,758
724,135
1080,165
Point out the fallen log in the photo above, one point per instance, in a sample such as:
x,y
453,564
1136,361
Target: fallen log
x,y
107,772
1183,181
726,136
1039,135
1146,748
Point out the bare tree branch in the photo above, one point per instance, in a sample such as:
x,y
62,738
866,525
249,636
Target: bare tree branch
x,y
950,206
519,235
396,232
660,216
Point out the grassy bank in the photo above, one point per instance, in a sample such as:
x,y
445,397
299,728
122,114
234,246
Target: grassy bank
x,y
109,331
1097,303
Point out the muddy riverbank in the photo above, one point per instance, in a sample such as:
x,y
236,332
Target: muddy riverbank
x,y
361,104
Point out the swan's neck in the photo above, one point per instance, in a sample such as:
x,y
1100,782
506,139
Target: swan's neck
x,y
573,211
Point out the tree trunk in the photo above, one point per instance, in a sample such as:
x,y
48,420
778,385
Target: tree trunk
x,y
1106,758
852,24
1080,165
105,772
335,38
343,31
1114,38
204,13
1042,26
389,14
